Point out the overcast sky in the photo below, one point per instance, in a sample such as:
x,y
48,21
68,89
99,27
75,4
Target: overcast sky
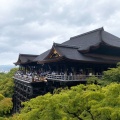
x,y
31,26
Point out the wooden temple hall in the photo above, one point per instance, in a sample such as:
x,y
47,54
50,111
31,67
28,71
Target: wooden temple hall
x,y
65,64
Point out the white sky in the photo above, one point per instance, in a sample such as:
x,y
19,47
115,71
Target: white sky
x,y
31,26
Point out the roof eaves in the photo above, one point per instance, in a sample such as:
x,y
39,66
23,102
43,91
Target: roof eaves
x,y
28,55
107,43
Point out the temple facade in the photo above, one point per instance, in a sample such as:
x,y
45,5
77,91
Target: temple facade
x,y
66,64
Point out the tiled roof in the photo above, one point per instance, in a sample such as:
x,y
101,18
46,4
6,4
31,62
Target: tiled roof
x,y
41,56
24,58
84,41
75,48
93,38
110,39
74,54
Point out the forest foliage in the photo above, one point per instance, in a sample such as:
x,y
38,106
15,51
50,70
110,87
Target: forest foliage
x,y
7,83
5,105
6,92
90,102
113,74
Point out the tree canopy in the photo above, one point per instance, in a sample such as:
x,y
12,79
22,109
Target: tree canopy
x,y
113,74
6,92
91,102
5,105
7,83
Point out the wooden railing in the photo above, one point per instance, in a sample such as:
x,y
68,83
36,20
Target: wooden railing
x,y
56,77
70,78
30,79
23,78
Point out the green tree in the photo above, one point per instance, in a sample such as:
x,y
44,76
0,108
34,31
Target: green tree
x,y
113,74
7,83
90,102
5,106
98,81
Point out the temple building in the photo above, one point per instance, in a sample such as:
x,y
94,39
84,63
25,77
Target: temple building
x,y
66,64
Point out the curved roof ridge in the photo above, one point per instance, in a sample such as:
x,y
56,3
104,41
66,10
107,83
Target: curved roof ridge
x,y
99,29
68,46
28,55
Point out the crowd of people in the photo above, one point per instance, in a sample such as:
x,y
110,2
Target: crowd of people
x,y
31,76
38,76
